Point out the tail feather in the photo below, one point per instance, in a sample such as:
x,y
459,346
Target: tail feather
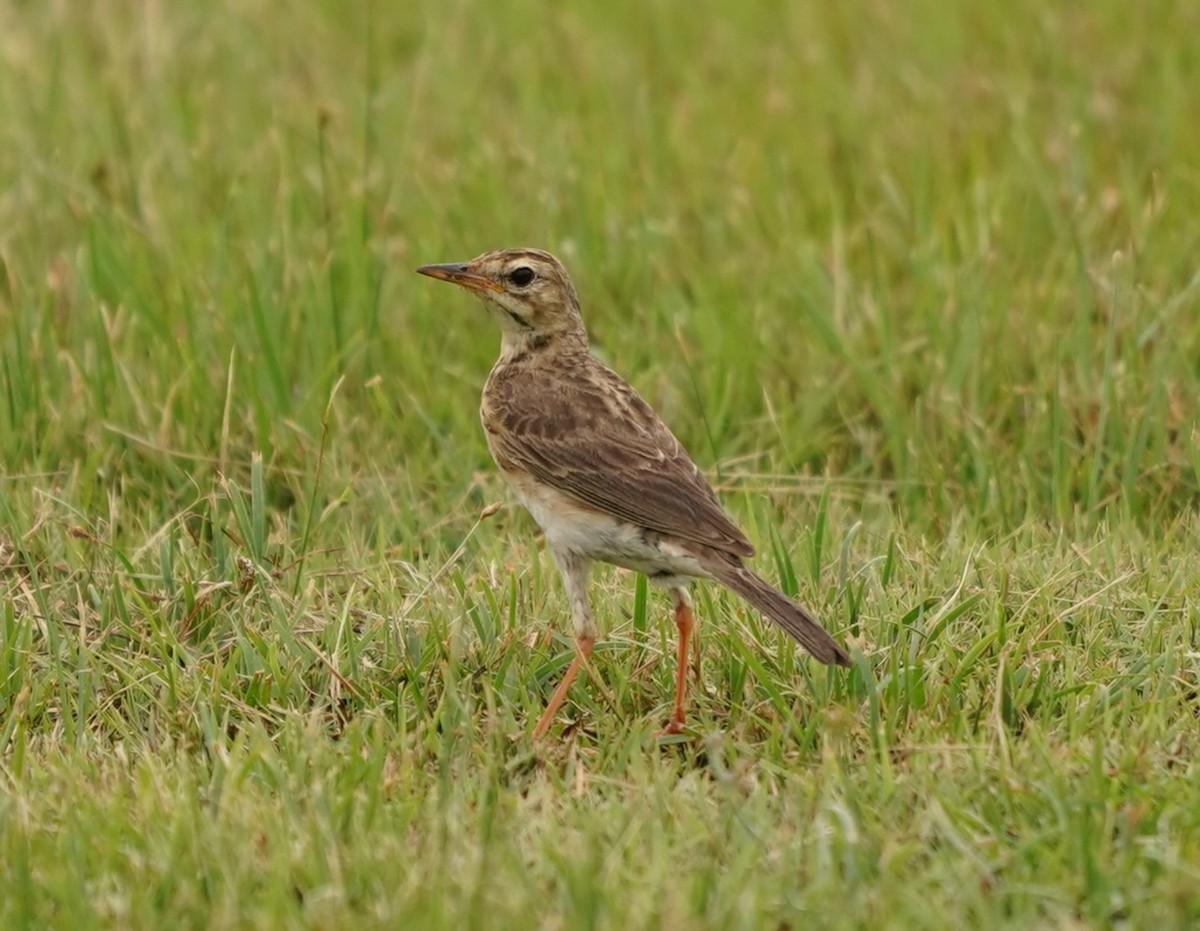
x,y
783,611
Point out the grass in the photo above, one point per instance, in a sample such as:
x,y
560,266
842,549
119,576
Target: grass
x,y
917,285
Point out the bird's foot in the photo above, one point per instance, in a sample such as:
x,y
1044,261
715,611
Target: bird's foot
x,y
674,727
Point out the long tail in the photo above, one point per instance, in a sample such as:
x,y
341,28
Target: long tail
x,y
783,611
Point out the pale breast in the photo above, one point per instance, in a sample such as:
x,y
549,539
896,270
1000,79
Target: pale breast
x,y
572,527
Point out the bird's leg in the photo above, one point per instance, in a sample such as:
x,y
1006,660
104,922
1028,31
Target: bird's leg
x,y
685,622
574,569
583,647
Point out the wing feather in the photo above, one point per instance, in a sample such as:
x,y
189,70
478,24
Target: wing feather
x,y
591,436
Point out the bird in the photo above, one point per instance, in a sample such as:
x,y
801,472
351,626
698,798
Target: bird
x,y
601,474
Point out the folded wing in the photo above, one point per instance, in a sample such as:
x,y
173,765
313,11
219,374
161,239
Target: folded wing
x,y
594,438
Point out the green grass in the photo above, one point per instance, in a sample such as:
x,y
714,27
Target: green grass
x,y
917,283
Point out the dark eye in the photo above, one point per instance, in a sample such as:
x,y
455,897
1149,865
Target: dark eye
x,y
521,276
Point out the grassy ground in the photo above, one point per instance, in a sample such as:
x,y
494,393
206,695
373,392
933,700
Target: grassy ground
x,y
916,282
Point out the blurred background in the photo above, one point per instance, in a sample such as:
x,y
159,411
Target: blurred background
x,y
947,251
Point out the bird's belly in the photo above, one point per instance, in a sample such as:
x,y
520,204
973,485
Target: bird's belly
x,y
570,527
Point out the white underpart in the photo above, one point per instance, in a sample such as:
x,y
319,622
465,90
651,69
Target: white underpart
x,y
570,528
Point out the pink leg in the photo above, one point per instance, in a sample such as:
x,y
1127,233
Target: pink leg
x,y
685,622
584,650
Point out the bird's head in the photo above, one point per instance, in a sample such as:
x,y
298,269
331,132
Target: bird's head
x,y
527,290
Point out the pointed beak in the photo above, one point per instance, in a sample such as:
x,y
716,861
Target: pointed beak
x,y
460,273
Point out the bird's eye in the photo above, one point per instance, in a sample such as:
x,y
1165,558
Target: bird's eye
x,y
521,276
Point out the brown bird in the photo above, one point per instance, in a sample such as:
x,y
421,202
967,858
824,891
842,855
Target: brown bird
x,y
599,471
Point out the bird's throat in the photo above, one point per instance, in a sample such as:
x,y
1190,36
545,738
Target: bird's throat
x,y
516,346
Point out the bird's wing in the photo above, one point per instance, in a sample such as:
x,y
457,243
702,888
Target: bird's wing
x,y
591,436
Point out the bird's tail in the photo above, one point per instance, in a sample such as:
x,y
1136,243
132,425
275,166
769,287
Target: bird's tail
x,y
783,611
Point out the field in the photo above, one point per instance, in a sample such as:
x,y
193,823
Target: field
x,y
918,286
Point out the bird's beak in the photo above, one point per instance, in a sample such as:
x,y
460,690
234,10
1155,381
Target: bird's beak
x,y
460,273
